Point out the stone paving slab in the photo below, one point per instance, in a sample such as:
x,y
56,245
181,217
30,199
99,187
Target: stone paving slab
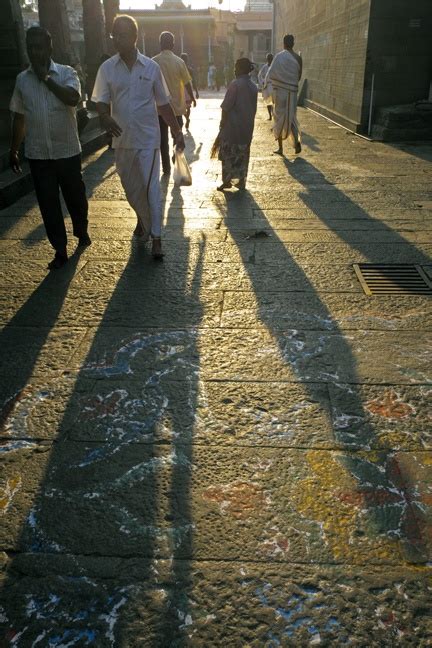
x,y
326,312
197,604
120,275
311,415
245,508
260,354
150,308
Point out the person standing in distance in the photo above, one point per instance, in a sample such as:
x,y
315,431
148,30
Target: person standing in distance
x,y
44,105
178,80
129,91
284,74
266,88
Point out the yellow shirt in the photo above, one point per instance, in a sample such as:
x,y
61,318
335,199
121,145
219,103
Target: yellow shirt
x,y
176,76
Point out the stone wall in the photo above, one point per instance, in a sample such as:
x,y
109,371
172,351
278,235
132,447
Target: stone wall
x,y
344,42
331,36
400,51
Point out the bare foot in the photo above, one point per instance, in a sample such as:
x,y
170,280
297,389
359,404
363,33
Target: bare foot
x,y
140,232
298,147
279,151
157,249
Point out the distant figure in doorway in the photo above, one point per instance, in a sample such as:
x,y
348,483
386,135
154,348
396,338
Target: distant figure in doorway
x,y
44,106
211,77
219,78
284,74
178,81
129,92
237,125
188,99
266,86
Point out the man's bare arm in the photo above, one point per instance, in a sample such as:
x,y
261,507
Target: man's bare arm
x,y
68,96
18,133
108,123
167,114
189,90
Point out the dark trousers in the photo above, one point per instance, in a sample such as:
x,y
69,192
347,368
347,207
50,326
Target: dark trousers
x,y
48,177
164,147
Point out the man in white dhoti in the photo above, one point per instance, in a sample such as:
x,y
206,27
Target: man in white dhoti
x,y
284,74
129,90
266,86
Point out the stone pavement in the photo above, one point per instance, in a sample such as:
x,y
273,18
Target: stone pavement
x,y
232,447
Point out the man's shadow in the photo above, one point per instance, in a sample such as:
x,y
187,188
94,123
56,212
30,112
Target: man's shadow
x,y
322,353
116,486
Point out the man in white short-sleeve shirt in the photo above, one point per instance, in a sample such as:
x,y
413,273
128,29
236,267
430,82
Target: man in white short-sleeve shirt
x,y
44,106
129,90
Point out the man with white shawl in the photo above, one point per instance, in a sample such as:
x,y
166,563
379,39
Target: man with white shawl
x,y
284,75
129,91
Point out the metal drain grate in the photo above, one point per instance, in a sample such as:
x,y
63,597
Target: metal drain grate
x,y
379,279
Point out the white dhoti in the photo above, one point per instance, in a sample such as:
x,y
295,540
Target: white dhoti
x,y
139,172
285,114
267,94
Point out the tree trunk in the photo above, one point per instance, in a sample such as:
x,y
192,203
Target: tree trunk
x,y
94,40
53,17
111,9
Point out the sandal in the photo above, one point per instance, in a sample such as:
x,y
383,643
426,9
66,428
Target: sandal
x,y
224,185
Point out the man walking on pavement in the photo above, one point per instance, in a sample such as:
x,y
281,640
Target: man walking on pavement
x,y
284,74
178,80
44,106
132,88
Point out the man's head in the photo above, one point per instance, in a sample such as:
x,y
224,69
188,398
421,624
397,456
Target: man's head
x,y
185,57
39,46
243,66
269,58
288,41
166,41
124,34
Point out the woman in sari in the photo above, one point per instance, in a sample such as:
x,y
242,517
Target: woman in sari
x,y
236,126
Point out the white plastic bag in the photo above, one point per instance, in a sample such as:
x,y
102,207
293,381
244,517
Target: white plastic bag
x,y
182,176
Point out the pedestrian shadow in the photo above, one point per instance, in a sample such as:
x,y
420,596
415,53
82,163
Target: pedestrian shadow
x,y
319,353
310,177
21,347
119,468
310,141
192,151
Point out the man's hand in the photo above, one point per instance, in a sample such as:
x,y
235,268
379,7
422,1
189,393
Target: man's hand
x,y
14,162
110,125
193,101
179,141
196,94
41,70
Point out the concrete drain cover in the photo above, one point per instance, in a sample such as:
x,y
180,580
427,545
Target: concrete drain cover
x,y
377,279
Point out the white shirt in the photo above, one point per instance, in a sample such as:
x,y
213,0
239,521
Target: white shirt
x,y
134,96
51,128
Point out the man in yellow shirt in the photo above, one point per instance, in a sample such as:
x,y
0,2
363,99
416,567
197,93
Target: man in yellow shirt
x,y
178,80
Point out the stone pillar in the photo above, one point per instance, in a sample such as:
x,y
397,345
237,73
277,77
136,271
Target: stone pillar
x,y
94,40
53,16
12,57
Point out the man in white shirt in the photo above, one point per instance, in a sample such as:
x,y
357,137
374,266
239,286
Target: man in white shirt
x,y
43,104
178,80
131,87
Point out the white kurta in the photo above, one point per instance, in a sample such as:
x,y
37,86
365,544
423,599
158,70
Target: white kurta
x,y
134,96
